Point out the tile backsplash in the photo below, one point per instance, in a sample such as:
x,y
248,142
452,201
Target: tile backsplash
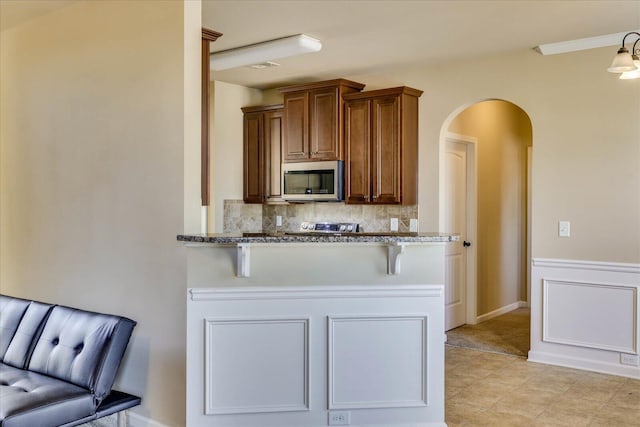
x,y
241,217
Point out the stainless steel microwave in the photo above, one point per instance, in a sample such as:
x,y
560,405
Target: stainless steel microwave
x,y
313,181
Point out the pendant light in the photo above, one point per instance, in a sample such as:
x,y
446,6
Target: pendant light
x,y
627,63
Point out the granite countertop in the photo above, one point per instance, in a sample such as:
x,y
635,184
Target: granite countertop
x,y
384,238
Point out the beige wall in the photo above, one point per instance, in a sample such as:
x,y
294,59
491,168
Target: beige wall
x,y
227,146
92,176
503,132
586,150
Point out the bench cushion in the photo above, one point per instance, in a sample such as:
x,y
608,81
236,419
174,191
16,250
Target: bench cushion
x,y
31,324
11,312
32,399
83,348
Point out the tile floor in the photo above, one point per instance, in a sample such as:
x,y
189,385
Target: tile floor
x,y
489,389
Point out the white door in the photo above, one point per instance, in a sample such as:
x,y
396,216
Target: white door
x,y
455,222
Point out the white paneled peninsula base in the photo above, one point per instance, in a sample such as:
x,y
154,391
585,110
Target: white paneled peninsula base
x,y
322,331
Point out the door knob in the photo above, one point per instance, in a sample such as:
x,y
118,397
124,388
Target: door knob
x,y
466,244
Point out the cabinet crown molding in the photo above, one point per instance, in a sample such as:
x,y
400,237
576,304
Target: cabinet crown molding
x,y
400,90
210,35
256,108
322,84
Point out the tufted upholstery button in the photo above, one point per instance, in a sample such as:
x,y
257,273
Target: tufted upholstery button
x,y
55,341
79,347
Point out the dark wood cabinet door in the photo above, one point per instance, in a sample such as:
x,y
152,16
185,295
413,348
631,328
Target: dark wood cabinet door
x,y
253,158
273,154
357,167
323,124
386,160
296,126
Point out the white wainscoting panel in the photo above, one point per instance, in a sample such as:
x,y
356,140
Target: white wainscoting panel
x,y
256,365
288,356
590,315
377,361
585,315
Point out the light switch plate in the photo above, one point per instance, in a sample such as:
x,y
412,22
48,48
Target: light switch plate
x,y
413,225
564,229
393,224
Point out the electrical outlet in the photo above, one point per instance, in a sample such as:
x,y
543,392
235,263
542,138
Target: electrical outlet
x,y
413,225
629,359
278,221
393,224
339,418
564,229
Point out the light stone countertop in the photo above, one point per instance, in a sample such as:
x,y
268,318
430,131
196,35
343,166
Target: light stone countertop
x,y
257,237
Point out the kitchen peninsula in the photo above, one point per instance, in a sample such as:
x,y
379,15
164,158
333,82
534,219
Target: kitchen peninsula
x,y
312,329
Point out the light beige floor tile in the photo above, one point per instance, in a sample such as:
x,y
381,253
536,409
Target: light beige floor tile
x,y
497,390
461,414
571,403
500,419
590,392
479,395
508,378
516,405
492,389
561,418
523,397
627,397
617,417
451,391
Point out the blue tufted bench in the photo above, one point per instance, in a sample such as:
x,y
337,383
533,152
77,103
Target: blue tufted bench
x,y
58,364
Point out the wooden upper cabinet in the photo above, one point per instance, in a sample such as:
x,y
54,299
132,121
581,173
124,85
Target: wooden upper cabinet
x,y
296,130
357,165
323,137
253,158
386,171
313,120
381,141
262,153
273,154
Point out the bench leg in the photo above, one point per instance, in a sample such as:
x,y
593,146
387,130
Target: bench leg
x,y
122,419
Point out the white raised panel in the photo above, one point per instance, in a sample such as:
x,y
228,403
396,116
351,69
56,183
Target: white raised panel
x,y
377,361
256,365
592,315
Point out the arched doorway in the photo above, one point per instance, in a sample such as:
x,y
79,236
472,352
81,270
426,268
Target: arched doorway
x,y
492,139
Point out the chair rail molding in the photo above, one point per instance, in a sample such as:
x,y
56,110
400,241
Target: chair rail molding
x,y
587,265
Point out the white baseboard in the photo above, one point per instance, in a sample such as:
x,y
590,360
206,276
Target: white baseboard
x,y
136,420
584,364
501,311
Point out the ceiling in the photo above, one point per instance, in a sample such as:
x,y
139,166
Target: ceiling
x,y
367,37
364,37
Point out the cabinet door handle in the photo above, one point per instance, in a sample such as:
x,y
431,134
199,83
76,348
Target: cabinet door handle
x,y
466,244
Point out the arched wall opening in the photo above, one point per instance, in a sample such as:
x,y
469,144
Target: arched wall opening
x,y
502,136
